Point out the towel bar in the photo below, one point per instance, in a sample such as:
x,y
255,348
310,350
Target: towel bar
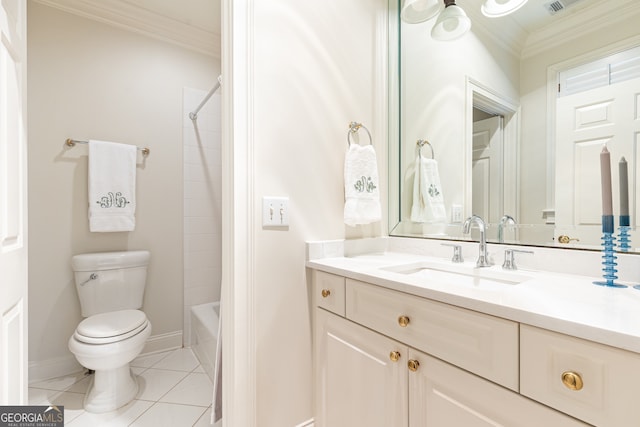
x,y
354,127
72,143
421,143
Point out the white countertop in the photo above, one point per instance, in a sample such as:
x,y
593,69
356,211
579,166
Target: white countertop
x,y
565,303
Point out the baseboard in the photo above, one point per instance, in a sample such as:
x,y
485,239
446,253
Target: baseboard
x,y
51,368
308,423
163,342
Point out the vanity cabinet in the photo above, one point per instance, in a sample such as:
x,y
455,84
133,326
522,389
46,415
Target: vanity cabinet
x,y
594,382
397,360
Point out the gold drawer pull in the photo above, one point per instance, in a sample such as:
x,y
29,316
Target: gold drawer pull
x,y
572,380
413,365
403,321
394,356
326,293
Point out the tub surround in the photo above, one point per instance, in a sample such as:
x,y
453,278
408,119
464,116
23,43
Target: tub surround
x,y
565,302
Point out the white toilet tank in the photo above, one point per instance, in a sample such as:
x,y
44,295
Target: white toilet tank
x,y
110,281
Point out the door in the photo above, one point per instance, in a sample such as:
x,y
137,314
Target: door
x,y
585,122
487,169
357,382
442,395
13,203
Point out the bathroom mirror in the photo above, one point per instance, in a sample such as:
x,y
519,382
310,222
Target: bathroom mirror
x,y
487,104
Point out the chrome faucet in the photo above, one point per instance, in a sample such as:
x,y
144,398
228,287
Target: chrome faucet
x,y
483,258
504,221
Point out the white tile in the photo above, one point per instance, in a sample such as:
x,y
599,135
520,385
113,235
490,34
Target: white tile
x,y
72,403
81,386
195,389
169,415
121,417
154,383
40,396
148,360
205,420
59,383
195,295
181,359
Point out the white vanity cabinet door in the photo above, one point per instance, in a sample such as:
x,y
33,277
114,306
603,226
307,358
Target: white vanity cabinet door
x,y
441,395
328,291
603,383
357,383
483,344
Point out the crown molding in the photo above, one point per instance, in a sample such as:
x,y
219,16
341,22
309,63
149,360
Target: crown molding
x,y
510,36
128,16
573,26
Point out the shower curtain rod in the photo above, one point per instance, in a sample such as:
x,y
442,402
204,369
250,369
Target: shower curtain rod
x,y
194,114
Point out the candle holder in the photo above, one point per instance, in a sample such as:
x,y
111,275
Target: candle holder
x,y
623,235
608,255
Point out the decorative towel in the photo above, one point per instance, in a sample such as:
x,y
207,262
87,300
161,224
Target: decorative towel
x,y
362,196
112,186
428,202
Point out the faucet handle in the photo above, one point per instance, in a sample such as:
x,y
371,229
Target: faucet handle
x,y
509,258
457,252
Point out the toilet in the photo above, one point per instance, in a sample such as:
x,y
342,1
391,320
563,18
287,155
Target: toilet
x,y
110,288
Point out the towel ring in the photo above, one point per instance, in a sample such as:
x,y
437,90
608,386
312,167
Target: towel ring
x,y
421,143
354,128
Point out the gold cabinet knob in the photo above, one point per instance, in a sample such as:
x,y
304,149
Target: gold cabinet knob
x,y
403,321
326,293
566,239
394,356
572,380
413,365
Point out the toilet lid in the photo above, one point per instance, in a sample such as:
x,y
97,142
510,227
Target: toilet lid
x,y
112,326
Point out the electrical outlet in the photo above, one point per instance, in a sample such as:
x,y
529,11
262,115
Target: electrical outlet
x,y
456,213
275,212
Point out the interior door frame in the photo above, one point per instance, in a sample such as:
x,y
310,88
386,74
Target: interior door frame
x,y
491,101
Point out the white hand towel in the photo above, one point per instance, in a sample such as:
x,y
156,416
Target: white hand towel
x,y
428,202
362,196
112,186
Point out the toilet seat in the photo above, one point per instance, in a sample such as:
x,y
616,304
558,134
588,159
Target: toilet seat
x,y
110,327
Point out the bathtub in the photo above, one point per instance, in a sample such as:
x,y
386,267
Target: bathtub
x,y
205,319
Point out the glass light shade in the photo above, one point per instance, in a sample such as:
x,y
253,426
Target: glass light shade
x,y
415,11
497,8
451,24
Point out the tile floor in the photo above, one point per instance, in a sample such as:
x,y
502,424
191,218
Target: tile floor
x,y
174,392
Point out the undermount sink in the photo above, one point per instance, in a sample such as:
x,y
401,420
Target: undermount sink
x,y
460,274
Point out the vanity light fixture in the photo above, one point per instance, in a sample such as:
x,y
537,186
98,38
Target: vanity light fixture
x,y
498,8
451,23
416,11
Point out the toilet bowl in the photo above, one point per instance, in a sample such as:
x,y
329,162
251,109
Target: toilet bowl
x,y
110,287
107,343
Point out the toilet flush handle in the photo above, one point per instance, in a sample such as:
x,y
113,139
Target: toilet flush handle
x,y
93,276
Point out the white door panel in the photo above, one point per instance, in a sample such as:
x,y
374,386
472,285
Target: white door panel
x,y
13,204
585,122
487,169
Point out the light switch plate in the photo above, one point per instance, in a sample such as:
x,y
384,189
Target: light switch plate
x,y
275,212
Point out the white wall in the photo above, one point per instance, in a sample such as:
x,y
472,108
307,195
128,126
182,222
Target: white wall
x,y
433,93
316,66
202,203
88,80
